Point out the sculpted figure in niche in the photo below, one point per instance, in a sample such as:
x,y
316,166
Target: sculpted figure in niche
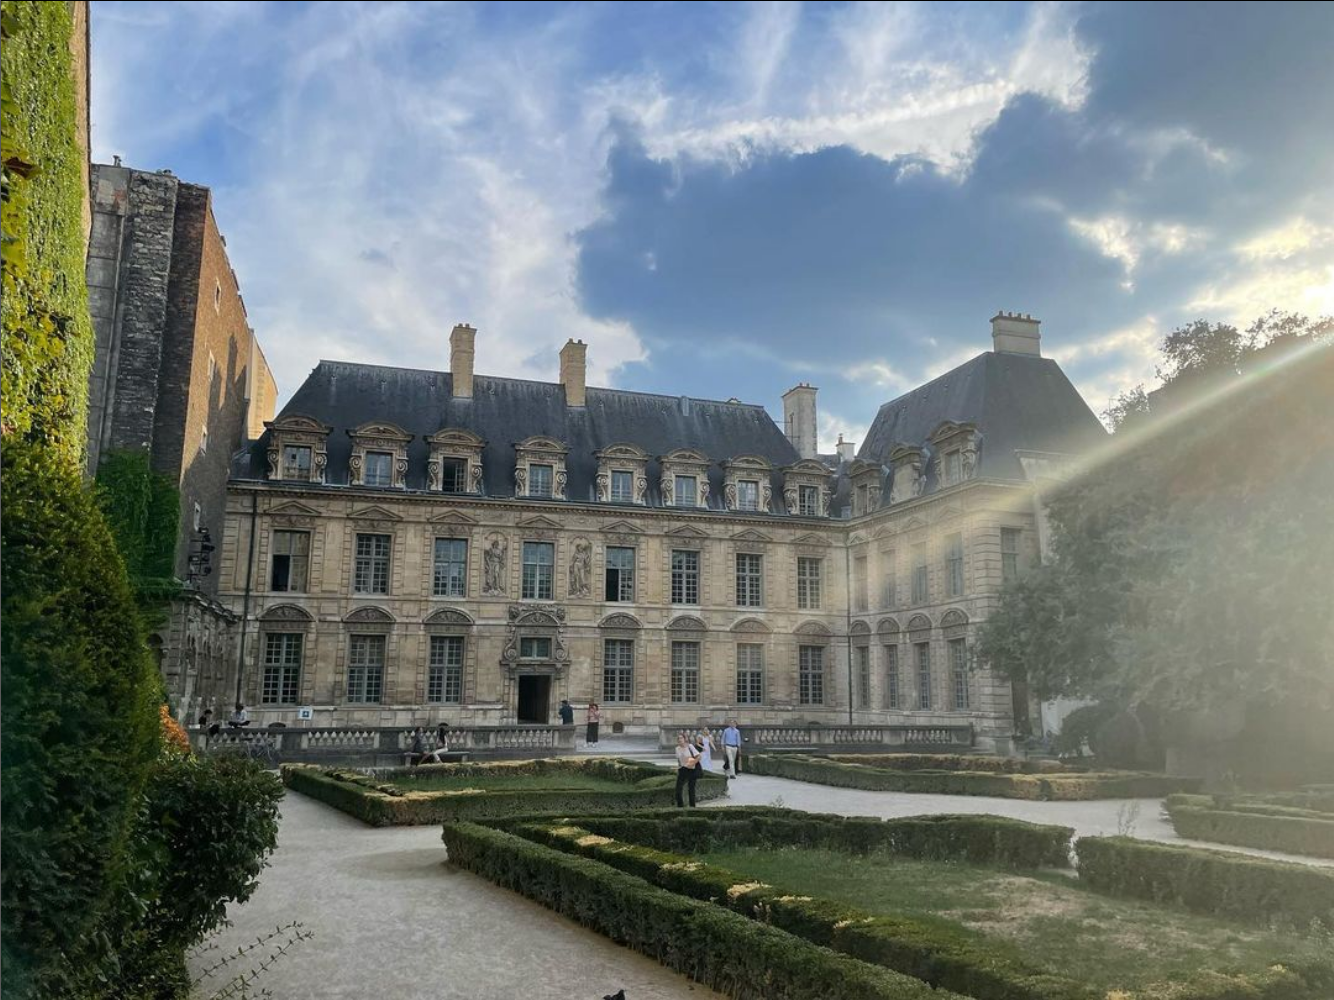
x,y
969,459
581,568
493,566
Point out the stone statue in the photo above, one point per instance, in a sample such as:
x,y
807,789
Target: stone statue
x,y
581,567
493,575
766,497
790,499
703,492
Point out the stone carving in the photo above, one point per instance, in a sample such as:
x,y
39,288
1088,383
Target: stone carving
x,y
919,484
603,488
581,567
539,619
619,621
826,499
433,481
400,471
729,496
703,492
641,490
286,613
475,474
970,459
521,481
790,499
766,497
354,466
665,486
687,623
561,480
873,497
272,456
493,566
448,616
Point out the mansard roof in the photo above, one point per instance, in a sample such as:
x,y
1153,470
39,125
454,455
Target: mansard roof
x,y
505,410
1017,402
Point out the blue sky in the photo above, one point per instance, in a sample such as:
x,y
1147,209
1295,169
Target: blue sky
x,y
726,199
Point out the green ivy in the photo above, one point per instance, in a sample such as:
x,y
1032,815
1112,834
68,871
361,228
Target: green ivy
x,y
45,332
143,508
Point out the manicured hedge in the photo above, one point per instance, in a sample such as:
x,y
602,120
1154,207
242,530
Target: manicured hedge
x,y
1237,886
1308,832
944,956
1045,787
740,958
981,840
380,804
953,762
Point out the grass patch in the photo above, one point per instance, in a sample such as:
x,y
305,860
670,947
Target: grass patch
x,y
1056,924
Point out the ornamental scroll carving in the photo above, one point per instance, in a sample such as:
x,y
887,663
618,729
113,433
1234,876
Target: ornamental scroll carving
x,y
543,620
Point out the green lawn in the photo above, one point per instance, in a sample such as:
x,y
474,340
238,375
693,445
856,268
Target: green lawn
x,y
1109,943
558,781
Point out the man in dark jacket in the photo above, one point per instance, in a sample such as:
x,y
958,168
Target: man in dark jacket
x,y
566,713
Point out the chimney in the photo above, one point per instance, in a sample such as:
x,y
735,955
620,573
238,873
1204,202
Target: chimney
x,y
461,345
847,451
574,371
799,419
1012,333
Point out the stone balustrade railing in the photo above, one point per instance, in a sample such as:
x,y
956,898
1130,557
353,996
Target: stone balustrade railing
x,y
818,738
301,743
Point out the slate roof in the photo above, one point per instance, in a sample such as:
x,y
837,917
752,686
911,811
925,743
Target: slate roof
x,y
1019,402
505,411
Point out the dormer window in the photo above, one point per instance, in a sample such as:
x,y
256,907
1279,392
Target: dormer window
x,y
746,484
379,469
297,463
809,501
454,475
454,464
748,494
806,488
686,492
952,467
539,480
622,486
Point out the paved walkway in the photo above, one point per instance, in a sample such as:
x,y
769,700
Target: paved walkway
x,y
391,919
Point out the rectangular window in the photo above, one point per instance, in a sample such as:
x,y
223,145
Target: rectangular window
x,y
618,671
685,672
539,480
535,647
365,669
859,596
296,463
1009,554
954,564
454,475
449,575
808,501
862,661
959,672
620,582
538,570
371,573
444,675
748,494
923,652
282,668
893,682
623,487
379,469
951,467
889,567
919,571
685,492
685,576
291,561
749,674
808,583
749,580
810,675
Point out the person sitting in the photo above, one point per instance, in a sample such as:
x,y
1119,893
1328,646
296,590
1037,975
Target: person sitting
x,y
418,746
436,756
239,718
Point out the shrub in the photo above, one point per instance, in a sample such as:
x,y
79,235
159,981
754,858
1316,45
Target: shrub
x,y
952,762
740,958
80,723
1037,787
380,804
1236,886
1311,833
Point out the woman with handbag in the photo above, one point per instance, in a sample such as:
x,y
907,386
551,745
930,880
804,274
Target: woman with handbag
x,y
687,768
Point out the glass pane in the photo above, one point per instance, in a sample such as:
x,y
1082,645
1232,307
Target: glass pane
x,y
684,492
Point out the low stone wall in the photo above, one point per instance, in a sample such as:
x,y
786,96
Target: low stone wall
x,y
839,739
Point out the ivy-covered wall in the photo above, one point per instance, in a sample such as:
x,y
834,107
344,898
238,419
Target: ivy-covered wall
x,y
47,339
143,510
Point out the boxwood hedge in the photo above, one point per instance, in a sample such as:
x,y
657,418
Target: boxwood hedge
x,y
1272,828
379,804
1237,886
1037,787
953,762
741,958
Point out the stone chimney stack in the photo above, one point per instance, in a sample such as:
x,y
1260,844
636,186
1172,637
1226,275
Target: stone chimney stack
x,y
574,371
799,422
461,347
847,451
1012,333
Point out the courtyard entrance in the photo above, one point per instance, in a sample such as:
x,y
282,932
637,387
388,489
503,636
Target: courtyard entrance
x,y
534,699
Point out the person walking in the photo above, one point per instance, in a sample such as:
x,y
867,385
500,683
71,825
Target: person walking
x,y
594,718
731,749
566,713
687,769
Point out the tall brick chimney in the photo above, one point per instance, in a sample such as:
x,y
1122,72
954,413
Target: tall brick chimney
x,y
574,371
461,346
1012,333
799,419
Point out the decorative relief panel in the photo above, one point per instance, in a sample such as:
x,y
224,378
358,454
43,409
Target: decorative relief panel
x,y
494,558
581,568
535,621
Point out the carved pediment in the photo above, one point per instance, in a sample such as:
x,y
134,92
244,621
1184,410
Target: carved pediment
x,y
860,467
448,616
811,539
539,522
456,437
808,467
541,443
299,424
287,613
755,463
539,615
369,616
685,456
687,531
293,509
913,523
452,517
953,617
622,528
888,627
374,513
687,623
623,450
380,430
919,623
859,628
817,629
857,538
751,535
620,621
949,512
947,429
751,625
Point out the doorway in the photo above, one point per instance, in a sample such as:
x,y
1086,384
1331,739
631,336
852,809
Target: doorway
x,y
534,699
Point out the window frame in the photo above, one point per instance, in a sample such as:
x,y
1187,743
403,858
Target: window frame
x,y
861,674
893,695
958,656
370,561
444,672
531,642
368,467
453,470
618,671
626,494
750,675
458,578
685,672
808,501
1010,555
810,586
282,673
688,578
543,574
295,471
743,486
750,581
618,582
289,587
537,488
371,674
921,574
922,664
811,674
678,494
954,583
